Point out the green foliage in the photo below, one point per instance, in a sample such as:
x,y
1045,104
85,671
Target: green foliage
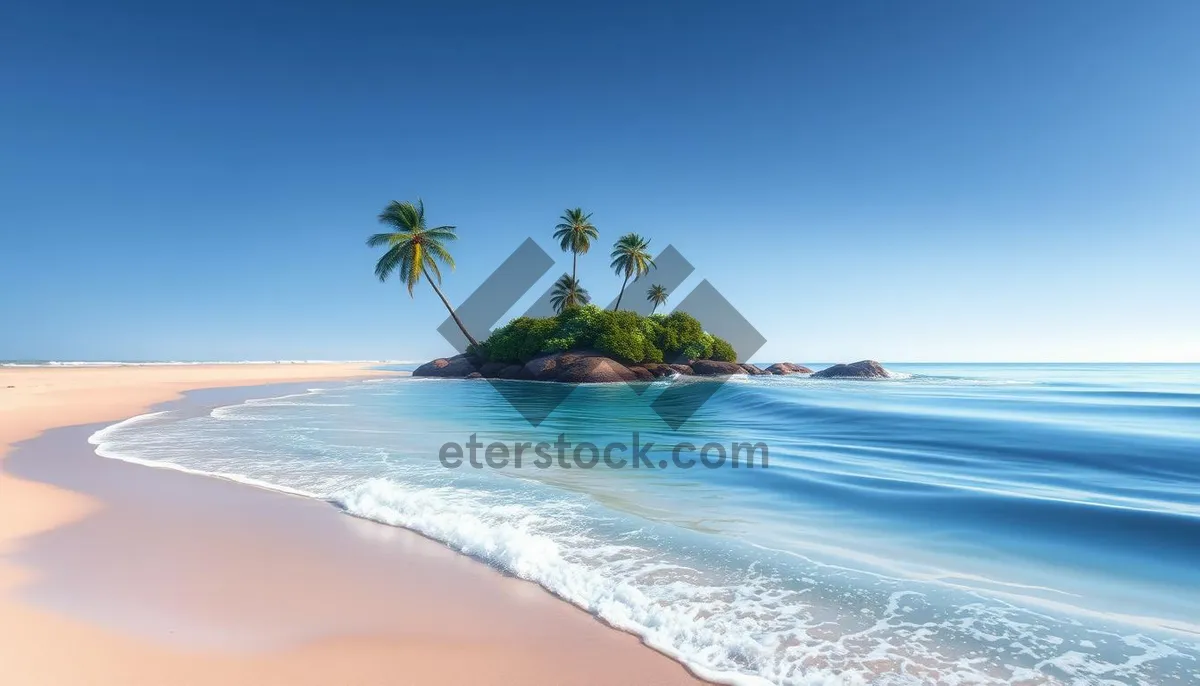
x,y
575,232
557,344
723,351
653,330
631,258
567,293
682,331
415,250
657,294
520,340
579,326
623,335
653,354
698,349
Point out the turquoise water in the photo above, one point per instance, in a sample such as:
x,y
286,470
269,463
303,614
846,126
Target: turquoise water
x,y
964,524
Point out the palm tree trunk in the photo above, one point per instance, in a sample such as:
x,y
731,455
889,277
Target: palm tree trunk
x,y
453,314
622,293
653,308
574,260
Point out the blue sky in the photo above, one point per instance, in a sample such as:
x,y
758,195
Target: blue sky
x,y
904,181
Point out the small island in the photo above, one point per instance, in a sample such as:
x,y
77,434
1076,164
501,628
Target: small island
x,y
585,344
582,343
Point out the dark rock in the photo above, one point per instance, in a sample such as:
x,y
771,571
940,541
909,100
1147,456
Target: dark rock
x,y
788,368
658,370
447,367
512,371
576,366
715,368
752,370
865,369
491,370
592,369
641,373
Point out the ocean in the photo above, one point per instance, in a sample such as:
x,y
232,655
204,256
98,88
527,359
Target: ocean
x,y
959,524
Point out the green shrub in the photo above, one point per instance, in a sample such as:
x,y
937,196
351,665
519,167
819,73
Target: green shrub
x,y
520,340
653,354
539,334
623,335
579,326
684,337
698,349
557,344
722,350
652,330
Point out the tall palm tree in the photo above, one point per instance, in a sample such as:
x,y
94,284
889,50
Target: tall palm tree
x,y
567,293
415,250
575,234
657,295
630,256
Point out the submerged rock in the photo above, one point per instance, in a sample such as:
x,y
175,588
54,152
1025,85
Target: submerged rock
x,y
864,369
784,368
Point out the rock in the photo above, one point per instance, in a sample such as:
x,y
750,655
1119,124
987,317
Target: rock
x,y
577,366
641,373
543,368
658,370
714,368
491,370
447,367
592,369
512,371
865,369
783,368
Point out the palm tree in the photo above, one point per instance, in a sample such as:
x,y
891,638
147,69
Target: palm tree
x,y
575,233
630,256
568,293
657,295
415,250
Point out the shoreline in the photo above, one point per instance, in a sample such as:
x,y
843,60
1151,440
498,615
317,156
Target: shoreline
x,y
180,586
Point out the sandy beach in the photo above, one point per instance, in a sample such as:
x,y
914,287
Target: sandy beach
x,y
113,573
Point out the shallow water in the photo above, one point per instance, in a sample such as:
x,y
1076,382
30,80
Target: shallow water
x,y
969,524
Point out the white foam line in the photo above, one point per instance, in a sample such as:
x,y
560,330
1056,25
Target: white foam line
x,y
98,439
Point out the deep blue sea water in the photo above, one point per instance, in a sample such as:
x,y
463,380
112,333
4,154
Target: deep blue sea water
x,y
964,524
